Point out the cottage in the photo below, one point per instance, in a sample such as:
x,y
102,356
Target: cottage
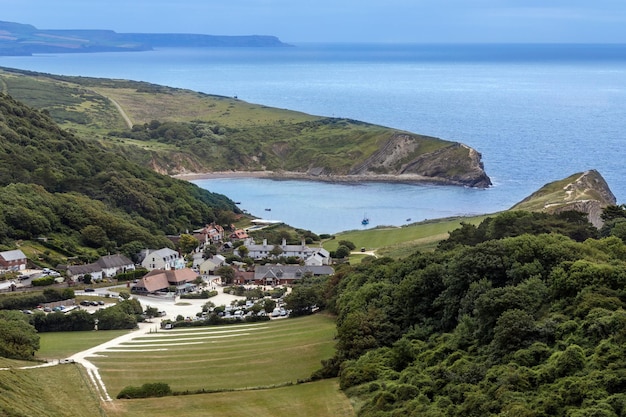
x,y
209,266
13,260
106,266
287,274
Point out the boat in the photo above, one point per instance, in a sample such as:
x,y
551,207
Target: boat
x,y
365,221
268,209
408,220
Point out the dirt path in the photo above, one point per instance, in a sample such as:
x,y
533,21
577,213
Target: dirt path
x,y
119,108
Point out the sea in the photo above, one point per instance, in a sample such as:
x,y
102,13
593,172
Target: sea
x,y
536,113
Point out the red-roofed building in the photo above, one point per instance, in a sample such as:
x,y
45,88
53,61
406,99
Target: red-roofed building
x,y
160,280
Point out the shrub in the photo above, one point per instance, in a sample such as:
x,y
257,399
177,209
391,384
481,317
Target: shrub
x,y
43,281
149,390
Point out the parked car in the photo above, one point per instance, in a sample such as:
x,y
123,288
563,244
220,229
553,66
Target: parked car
x,y
89,290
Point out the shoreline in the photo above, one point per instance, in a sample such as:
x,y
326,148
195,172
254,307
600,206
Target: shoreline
x,y
303,176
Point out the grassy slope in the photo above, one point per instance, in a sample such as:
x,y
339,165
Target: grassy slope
x,y
257,137
398,242
59,391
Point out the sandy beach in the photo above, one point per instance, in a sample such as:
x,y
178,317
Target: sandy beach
x,y
294,175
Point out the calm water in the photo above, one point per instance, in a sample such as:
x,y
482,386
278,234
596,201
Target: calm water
x,y
536,114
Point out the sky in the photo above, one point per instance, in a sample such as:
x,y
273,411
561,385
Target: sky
x,y
293,21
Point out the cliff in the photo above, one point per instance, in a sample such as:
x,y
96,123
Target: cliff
x,y
587,192
21,39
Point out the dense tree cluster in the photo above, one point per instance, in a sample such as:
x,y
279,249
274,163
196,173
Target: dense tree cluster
x,y
18,338
503,322
51,182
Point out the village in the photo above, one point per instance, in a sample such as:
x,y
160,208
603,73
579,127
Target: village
x,y
161,272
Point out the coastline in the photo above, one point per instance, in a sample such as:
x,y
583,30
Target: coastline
x,y
303,176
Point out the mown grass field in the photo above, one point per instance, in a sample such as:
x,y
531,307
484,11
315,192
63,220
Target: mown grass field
x,y
221,357
315,399
58,345
250,370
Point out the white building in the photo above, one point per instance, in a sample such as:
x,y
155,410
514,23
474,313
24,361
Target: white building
x,y
165,258
317,256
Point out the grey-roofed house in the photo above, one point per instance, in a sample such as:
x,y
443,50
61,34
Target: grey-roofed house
x,y
13,260
287,274
106,266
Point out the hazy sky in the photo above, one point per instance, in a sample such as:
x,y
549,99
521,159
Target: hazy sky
x,y
340,20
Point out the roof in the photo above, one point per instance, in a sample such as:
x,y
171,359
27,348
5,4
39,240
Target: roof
x,y
13,255
74,270
290,271
154,282
158,279
114,261
162,253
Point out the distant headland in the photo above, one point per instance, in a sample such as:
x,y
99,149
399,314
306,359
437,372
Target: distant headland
x,y
18,39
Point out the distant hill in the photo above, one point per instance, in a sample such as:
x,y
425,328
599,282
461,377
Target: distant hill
x,y
22,39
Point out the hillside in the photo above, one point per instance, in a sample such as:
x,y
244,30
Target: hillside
x,y
176,131
53,183
21,39
524,321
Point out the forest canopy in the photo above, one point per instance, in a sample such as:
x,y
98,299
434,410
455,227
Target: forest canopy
x,y
52,182
526,323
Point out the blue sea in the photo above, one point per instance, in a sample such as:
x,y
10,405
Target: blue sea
x,y
536,113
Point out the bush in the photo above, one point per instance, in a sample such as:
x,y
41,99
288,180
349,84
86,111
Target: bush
x,y
202,295
156,389
43,281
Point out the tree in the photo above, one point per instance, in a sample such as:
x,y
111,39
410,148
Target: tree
x,y
342,252
209,251
276,251
151,311
226,273
18,339
350,245
243,251
187,243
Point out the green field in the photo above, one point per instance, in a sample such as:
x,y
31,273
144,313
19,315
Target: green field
x,y
217,358
398,242
244,370
57,345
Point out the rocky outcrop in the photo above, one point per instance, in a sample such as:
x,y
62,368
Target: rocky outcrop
x,y
402,157
586,192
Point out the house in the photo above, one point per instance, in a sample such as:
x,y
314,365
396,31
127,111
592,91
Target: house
x,y
209,266
106,266
211,233
300,251
287,274
161,280
239,234
165,258
13,260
